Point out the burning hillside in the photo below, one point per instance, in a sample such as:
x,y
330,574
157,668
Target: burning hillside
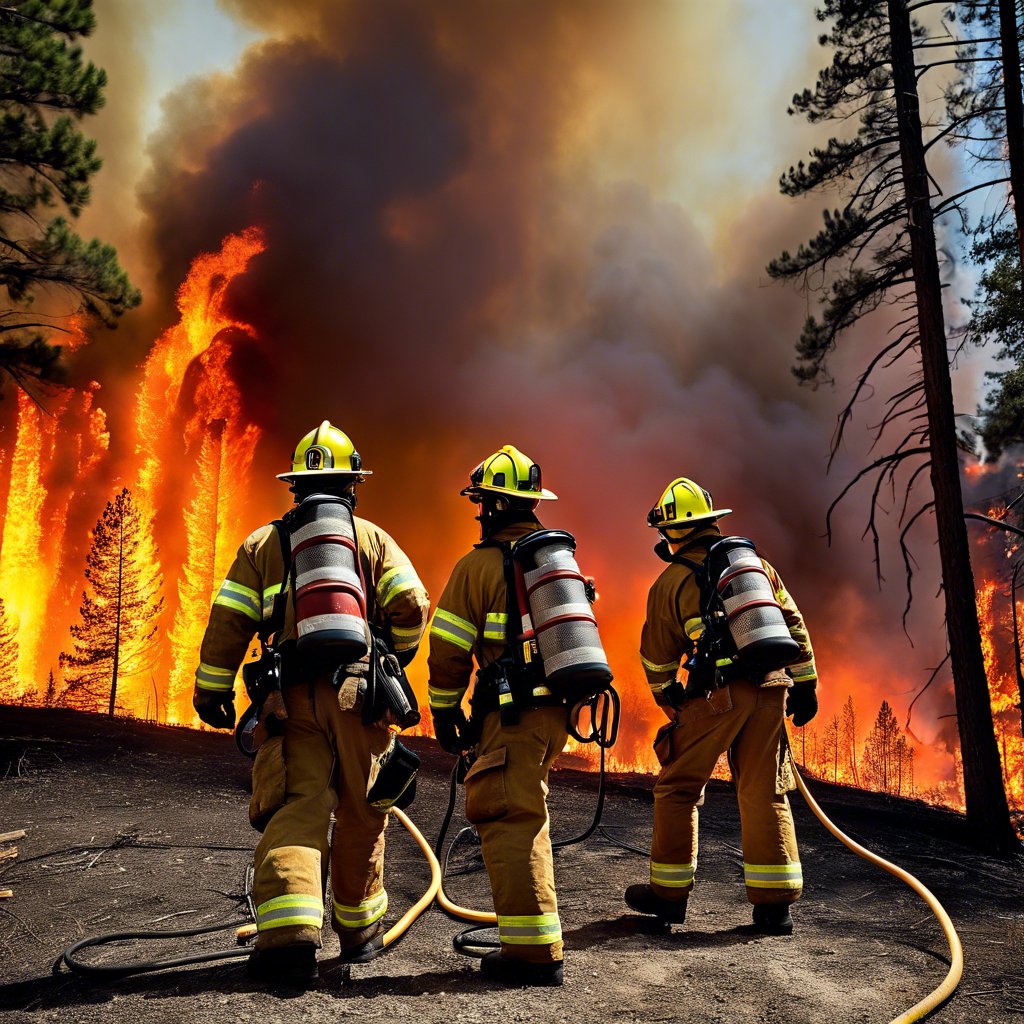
x,y
446,229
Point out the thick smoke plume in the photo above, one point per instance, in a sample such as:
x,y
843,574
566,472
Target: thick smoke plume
x,y
478,232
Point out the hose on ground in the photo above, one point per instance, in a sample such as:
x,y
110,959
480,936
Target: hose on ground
x,y
938,995
111,972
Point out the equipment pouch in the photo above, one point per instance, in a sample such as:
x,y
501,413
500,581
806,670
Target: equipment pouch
x,y
718,702
663,743
785,779
268,783
486,797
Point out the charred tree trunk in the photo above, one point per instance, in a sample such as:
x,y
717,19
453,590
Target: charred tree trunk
x,y
1009,42
987,810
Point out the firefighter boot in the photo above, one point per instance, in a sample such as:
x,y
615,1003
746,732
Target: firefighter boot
x,y
643,899
773,919
285,965
513,971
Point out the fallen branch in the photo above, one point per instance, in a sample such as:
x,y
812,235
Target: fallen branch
x,y
9,837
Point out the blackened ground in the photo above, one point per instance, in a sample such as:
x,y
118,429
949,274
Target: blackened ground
x,y
127,829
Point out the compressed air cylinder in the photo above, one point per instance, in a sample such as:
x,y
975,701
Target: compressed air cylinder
x,y
754,615
560,614
330,602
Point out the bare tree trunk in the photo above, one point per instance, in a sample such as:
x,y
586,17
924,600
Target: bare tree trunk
x,y
987,810
1010,44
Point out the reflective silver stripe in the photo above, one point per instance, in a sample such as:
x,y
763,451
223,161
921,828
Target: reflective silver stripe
x,y
351,623
370,910
323,528
210,677
396,581
335,573
530,930
496,626
673,876
239,599
453,629
574,657
773,876
292,909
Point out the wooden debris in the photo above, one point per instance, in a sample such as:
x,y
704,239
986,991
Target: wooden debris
x,y
9,854
6,894
9,837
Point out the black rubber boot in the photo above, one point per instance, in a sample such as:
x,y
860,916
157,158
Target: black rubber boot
x,y
361,954
520,972
645,900
285,965
773,919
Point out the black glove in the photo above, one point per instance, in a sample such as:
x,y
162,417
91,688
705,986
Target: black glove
x,y
802,703
216,709
450,727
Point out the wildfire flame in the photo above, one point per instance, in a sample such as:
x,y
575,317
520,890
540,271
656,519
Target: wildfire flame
x,y
190,478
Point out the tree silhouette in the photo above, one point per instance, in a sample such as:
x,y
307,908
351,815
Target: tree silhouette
x,y
877,252
46,164
883,753
849,732
118,614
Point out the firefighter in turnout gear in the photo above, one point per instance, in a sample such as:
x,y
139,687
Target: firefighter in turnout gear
x,y
726,705
506,786
320,757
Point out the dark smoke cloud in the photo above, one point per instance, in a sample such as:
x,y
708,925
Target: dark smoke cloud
x,y
441,278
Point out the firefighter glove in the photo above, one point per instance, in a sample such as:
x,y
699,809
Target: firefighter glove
x,y
216,709
450,728
802,703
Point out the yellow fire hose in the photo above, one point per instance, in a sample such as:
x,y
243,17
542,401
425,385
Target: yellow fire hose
x,y
956,954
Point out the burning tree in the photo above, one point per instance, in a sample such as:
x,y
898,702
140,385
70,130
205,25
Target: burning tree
x,y
880,250
119,617
47,163
882,752
849,739
8,655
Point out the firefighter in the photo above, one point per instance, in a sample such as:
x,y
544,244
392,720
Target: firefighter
x,y
731,709
506,786
325,755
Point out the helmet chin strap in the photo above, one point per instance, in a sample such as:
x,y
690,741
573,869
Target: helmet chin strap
x,y
497,512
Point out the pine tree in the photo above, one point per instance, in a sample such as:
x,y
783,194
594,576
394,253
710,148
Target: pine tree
x,y
47,164
8,655
119,615
832,739
881,751
879,251
851,755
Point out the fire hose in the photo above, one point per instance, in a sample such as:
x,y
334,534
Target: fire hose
x,y
940,994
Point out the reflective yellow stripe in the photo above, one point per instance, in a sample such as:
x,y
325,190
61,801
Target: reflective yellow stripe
x,y
444,698
496,626
455,630
240,599
396,581
670,666
406,637
371,909
289,910
530,930
504,698
210,677
803,671
673,876
773,876
693,627
269,593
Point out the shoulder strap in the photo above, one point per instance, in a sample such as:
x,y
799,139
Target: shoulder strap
x,y
274,625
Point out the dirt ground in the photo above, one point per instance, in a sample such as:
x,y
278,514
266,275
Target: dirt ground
x,y
139,827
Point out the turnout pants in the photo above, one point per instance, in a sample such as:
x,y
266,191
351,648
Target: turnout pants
x,y
748,721
326,756
506,798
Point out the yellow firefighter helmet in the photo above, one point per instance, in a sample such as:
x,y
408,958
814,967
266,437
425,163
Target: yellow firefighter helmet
x,y
508,472
326,451
684,504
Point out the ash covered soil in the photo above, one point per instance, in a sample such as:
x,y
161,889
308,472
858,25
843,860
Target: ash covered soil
x,y
138,827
